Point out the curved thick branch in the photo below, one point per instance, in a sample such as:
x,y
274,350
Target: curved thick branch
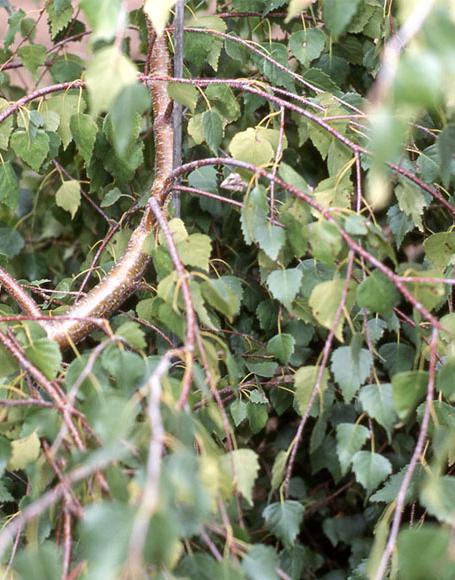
x,y
122,281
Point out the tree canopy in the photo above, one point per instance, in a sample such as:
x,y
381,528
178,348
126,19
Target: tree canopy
x,y
227,328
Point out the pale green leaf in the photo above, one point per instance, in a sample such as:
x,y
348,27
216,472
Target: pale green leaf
x,y
45,354
68,196
284,285
325,300
224,294
84,129
242,466
408,390
24,451
65,105
251,146
195,250
370,469
106,17
133,334
305,380
261,563
377,401
350,438
185,95
107,74
351,368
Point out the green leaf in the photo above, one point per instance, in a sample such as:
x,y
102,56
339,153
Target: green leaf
x,y
108,73
158,12
261,368
253,214
129,104
261,563
326,242
68,196
5,495
9,186
440,249
31,149
104,16
412,202
377,294
425,552
438,498
324,302
46,355
185,95
133,334
351,368
282,347
195,250
283,519
409,389
307,45
58,19
242,466
270,239
65,105
446,144
84,129
24,451
5,454
370,469
284,285
279,466
212,126
350,439
39,562
445,380
104,550
251,146
338,14
6,126
305,381
377,401
389,491
397,357
11,242
32,56
204,178
224,294
225,101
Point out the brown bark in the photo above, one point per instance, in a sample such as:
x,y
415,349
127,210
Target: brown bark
x,y
122,281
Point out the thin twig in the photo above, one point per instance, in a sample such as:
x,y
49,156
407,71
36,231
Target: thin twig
x,y
186,295
421,440
316,390
151,493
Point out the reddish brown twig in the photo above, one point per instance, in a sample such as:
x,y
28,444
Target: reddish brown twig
x,y
189,309
404,487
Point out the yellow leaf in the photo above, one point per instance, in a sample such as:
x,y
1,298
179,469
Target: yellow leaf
x,y
158,11
296,7
24,451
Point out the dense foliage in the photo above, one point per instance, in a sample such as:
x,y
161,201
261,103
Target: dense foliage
x,y
272,397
